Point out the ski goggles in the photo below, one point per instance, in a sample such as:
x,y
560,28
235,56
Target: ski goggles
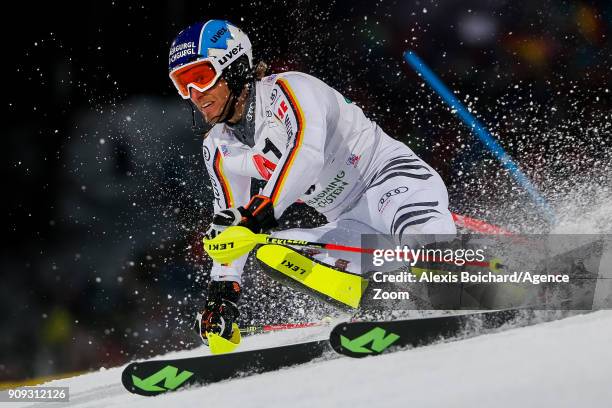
x,y
201,75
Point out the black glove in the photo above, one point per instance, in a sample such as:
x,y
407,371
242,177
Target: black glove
x,y
222,220
220,311
258,216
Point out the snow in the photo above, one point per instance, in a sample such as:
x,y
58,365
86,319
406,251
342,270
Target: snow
x,y
566,363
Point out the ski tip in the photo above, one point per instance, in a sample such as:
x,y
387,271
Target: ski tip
x,y
220,345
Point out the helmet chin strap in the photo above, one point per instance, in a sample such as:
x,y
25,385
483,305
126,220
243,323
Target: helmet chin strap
x,y
201,128
229,108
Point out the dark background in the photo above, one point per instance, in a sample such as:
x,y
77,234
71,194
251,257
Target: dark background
x,y
105,195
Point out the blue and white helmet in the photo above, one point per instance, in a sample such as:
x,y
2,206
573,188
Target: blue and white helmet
x,y
216,41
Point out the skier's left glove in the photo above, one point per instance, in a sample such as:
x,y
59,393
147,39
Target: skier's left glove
x,y
258,215
220,311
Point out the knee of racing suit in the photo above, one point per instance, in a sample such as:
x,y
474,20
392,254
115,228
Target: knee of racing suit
x,y
229,272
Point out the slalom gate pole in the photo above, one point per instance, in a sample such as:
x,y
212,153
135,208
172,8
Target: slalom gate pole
x,y
479,226
481,132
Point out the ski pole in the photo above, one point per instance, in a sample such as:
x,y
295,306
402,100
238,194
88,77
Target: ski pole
x,y
268,328
236,241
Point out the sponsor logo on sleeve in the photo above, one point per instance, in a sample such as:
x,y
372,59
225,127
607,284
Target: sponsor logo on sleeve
x,y
384,200
282,109
270,79
353,160
270,119
216,191
273,95
206,154
289,127
225,151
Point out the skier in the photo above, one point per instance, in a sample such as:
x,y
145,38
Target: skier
x,y
309,143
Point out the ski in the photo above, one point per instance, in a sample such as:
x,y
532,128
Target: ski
x,y
153,377
361,339
353,339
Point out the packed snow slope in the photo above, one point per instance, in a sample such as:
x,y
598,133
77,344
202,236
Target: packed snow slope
x,y
566,363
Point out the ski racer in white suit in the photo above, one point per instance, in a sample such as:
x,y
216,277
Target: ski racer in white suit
x,y
310,144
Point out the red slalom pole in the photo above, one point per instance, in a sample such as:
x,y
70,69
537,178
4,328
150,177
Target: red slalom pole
x,y
268,328
477,225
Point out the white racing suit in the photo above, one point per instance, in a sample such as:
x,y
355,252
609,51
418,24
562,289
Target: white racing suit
x,y
312,144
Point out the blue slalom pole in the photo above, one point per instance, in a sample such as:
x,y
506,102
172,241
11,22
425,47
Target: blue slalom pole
x,y
485,137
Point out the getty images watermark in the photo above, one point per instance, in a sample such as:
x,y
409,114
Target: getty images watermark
x,y
456,257
561,272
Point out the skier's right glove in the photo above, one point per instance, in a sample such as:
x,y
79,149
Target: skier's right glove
x,y
220,311
222,220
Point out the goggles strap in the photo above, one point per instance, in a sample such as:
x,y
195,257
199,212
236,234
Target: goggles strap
x,y
234,95
229,108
